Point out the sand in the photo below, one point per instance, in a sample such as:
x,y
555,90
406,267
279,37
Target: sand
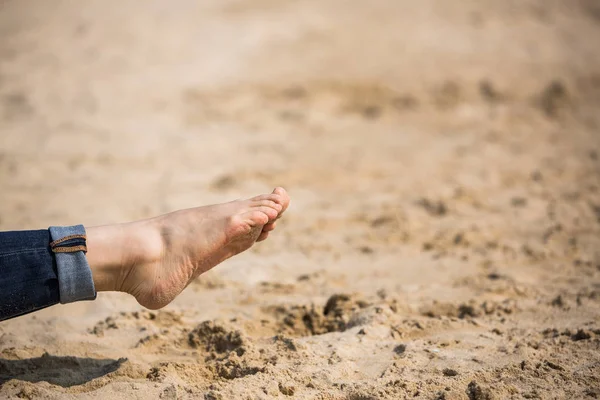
x,y
444,164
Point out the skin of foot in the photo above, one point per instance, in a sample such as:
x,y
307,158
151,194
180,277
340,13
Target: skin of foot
x,y
155,259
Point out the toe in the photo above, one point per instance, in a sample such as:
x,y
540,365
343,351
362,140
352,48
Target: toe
x,y
271,213
262,236
270,196
284,198
269,227
256,217
267,203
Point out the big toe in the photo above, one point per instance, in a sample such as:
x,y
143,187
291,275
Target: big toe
x,y
283,198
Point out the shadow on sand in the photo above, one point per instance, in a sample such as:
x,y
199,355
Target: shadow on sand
x,y
62,371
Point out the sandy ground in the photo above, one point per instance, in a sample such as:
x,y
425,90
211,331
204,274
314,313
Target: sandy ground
x,y
444,163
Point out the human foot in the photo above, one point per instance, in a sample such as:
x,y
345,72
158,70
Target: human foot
x,y
155,259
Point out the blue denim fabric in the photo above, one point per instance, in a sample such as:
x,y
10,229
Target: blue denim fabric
x,y
74,274
28,276
33,277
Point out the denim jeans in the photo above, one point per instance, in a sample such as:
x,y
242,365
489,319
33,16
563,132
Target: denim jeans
x,y
41,268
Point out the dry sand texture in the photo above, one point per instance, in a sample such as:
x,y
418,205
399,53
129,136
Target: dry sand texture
x,y
444,161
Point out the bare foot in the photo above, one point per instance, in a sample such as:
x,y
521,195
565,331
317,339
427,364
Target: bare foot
x,y
166,253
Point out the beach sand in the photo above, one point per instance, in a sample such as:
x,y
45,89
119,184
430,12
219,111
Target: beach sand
x,y
444,164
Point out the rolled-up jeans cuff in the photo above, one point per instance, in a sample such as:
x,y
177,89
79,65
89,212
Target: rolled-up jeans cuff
x,y
75,280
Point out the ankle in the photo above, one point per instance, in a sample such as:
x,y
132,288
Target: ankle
x,y
114,250
144,241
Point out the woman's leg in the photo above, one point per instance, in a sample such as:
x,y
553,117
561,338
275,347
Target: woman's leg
x,y
153,260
